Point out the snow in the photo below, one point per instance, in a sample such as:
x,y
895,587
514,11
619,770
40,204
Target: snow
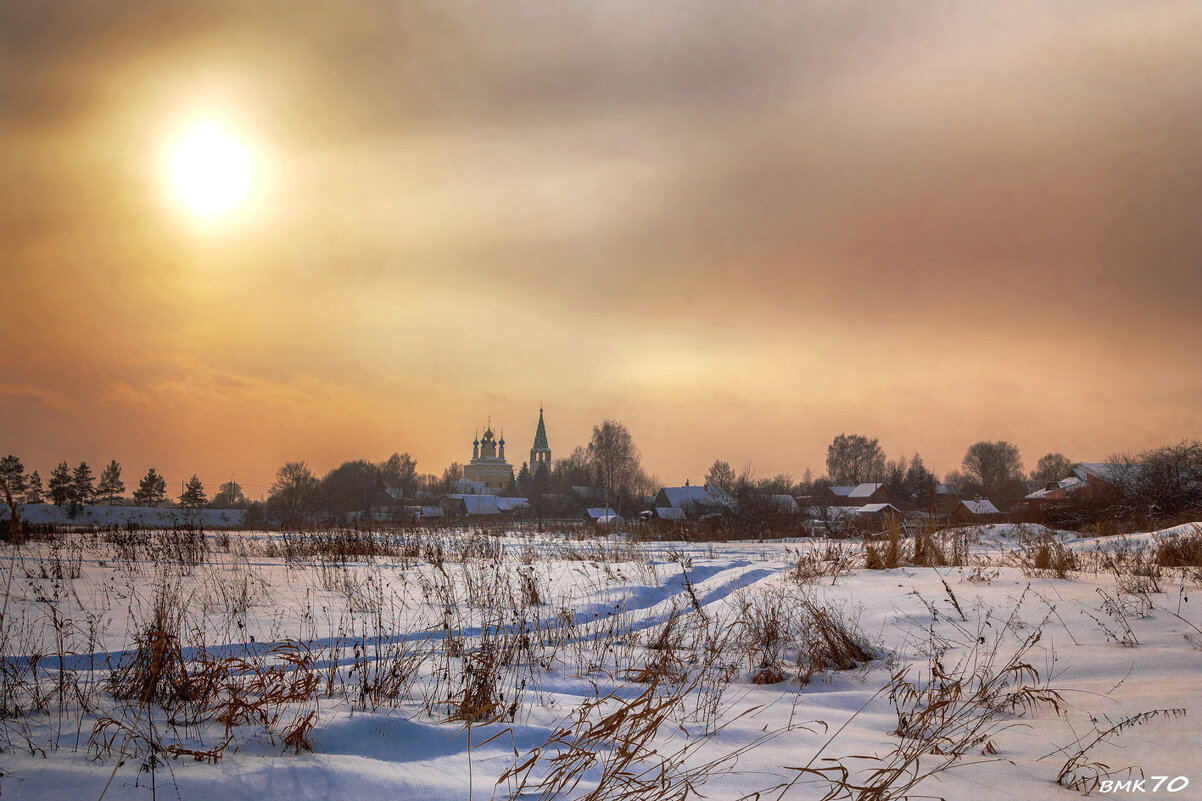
x,y
609,599
980,507
145,516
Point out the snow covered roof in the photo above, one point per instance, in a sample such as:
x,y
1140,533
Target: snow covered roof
x,y
478,504
603,514
864,490
509,504
1107,471
669,513
1070,484
981,506
842,492
703,496
876,508
784,503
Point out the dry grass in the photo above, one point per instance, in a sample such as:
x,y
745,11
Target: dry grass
x,y
465,629
1083,773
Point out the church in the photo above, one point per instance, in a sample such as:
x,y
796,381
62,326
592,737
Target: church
x,y
488,470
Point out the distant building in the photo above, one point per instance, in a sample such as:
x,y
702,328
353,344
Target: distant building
x,y
860,494
783,504
694,501
1087,479
602,514
488,466
878,513
1054,493
975,511
460,505
540,453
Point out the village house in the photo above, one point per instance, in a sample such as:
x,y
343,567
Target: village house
x,y
694,501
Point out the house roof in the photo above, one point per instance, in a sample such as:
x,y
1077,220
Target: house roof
x,y
703,496
981,506
784,503
1070,484
875,508
478,504
669,513
509,504
602,514
864,490
842,492
1107,471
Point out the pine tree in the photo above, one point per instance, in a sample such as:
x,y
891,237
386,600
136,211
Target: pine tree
x,y
13,473
111,487
60,484
194,494
83,490
152,489
33,488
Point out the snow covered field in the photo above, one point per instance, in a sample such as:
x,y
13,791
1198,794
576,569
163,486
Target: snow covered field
x,y
265,666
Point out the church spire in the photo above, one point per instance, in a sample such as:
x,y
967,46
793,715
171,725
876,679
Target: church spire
x,y
541,452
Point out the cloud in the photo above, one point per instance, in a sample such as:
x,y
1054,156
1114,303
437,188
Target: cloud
x,y
634,202
43,397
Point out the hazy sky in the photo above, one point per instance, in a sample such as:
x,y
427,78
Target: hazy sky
x,y
740,229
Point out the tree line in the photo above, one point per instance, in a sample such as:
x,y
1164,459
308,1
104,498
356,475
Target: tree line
x,y
610,463
74,487
1168,480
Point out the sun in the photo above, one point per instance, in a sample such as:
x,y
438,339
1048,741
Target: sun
x,y
209,171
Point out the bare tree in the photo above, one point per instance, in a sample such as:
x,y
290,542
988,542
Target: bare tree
x,y
575,470
451,476
229,496
400,472
853,459
1164,481
995,469
1052,467
616,457
294,492
721,475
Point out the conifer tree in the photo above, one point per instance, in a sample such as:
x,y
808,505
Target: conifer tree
x,y
13,472
152,489
194,494
82,484
33,488
111,487
60,484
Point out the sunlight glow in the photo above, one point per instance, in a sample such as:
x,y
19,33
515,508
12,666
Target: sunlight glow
x,y
210,171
